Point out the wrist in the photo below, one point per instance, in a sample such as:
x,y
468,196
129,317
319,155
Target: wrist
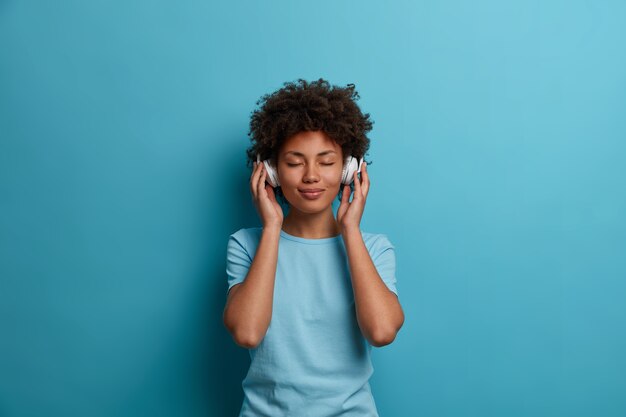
x,y
349,229
272,227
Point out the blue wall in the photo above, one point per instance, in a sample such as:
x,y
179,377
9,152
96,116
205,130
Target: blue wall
x,y
498,172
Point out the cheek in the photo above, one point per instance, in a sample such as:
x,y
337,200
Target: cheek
x,y
335,179
331,176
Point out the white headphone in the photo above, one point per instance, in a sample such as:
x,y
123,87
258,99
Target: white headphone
x,y
350,166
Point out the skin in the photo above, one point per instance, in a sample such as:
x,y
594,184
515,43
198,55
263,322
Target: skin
x,y
249,305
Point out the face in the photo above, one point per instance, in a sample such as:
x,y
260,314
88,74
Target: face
x,y
310,160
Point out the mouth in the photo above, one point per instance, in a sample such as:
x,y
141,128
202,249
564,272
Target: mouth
x,y
311,195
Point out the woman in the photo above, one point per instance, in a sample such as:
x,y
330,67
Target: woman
x,y
309,294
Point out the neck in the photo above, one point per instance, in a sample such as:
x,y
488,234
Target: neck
x,y
311,225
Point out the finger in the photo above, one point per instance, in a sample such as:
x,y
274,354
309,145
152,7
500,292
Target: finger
x,y
253,179
261,183
270,192
255,169
346,194
357,185
344,202
272,196
365,179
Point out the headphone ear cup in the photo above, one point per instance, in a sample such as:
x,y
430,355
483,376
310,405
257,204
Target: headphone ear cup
x,y
272,174
350,166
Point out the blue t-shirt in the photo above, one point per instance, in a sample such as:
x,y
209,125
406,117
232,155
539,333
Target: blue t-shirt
x,y
313,360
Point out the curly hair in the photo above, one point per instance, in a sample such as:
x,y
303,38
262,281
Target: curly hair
x,y
308,106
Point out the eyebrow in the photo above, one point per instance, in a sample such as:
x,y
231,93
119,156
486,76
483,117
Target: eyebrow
x,y
301,154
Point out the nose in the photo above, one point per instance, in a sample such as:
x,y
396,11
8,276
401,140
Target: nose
x,y
310,174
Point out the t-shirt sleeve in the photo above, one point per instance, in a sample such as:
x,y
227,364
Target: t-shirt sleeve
x,y
238,260
385,261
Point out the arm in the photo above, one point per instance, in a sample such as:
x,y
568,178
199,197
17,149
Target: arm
x,y
378,310
248,310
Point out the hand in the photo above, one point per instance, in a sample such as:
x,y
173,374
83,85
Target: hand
x,y
349,213
270,211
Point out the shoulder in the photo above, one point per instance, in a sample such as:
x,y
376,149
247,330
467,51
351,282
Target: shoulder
x,y
377,243
247,233
247,237
376,239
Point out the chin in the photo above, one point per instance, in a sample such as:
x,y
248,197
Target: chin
x,y
311,208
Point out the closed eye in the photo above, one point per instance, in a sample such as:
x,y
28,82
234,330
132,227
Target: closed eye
x,y
295,165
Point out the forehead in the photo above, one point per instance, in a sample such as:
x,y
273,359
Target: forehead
x,y
310,143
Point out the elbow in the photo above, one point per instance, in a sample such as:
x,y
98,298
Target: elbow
x,y
382,338
385,335
246,338
246,341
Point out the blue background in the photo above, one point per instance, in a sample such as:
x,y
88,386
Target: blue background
x,y
497,170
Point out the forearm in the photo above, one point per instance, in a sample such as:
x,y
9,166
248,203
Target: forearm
x,y
248,312
378,310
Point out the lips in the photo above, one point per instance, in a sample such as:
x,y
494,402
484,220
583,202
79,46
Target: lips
x,y
311,194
